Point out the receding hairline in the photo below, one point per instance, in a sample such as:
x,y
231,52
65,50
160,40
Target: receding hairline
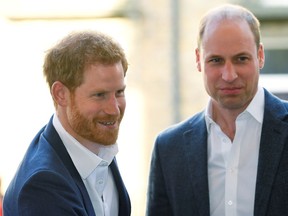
x,y
229,12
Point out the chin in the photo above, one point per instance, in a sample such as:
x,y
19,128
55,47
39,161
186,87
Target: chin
x,y
107,141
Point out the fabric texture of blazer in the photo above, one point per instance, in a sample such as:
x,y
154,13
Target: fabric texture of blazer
x,y
48,183
178,181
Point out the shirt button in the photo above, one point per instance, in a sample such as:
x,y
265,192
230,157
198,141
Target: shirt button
x,y
100,181
230,202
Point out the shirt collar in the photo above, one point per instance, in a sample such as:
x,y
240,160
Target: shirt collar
x,y
255,108
84,160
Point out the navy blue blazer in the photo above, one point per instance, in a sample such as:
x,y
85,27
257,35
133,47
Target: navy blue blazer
x,y
47,182
178,181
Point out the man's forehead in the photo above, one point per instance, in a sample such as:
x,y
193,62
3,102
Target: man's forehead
x,y
218,25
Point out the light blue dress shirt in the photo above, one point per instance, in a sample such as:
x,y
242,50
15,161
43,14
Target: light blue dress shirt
x,y
232,166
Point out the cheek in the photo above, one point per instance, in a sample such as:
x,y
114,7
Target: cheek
x,y
212,80
122,104
211,76
207,82
90,110
255,79
252,76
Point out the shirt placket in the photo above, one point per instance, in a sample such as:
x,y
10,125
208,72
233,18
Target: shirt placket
x,y
101,179
230,175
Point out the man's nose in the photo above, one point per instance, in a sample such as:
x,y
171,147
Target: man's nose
x,y
229,73
112,106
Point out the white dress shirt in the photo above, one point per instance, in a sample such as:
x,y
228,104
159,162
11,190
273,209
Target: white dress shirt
x,y
94,171
232,166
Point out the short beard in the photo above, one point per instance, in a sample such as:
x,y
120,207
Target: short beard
x,y
88,129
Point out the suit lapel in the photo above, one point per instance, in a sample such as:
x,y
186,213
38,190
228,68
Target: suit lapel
x,y
54,140
273,138
195,149
124,200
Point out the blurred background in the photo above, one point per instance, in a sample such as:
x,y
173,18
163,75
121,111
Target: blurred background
x,y
163,85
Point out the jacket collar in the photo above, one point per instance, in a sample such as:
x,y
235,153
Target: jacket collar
x,y
54,140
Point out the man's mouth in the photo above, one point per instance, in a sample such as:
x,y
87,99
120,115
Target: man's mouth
x,y
108,123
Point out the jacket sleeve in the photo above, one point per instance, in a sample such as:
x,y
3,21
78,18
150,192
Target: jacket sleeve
x,y
48,193
157,199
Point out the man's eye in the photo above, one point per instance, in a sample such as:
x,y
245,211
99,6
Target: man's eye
x,y
215,60
243,58
120,92
99,94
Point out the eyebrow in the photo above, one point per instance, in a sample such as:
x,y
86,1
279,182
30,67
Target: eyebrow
x,y
220,56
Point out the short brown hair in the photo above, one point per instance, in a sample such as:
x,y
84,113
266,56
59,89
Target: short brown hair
x,y
67,60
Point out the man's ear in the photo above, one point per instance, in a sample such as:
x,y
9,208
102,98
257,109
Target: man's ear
x,y
197,53
261,56
60,93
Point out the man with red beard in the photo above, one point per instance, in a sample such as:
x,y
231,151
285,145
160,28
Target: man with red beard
x,y
70,166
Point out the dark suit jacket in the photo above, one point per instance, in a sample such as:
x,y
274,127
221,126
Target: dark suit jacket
x,y
178,182
47,182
